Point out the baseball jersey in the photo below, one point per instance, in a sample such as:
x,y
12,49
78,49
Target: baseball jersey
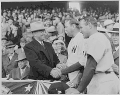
x,y
76,53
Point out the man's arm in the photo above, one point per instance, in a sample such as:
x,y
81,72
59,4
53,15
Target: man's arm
x,y
72,68
87,74
34,61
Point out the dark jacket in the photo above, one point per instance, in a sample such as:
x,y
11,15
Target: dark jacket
x,y
16,39
41,60
116,57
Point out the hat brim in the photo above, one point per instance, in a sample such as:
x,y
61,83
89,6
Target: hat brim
x,y
114,32
37,30
21,59
12,46
109,24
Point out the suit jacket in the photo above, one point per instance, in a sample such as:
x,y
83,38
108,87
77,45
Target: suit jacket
x,y
9,64
116,57
16,74
41,59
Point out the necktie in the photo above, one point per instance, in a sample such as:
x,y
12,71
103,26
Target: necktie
x,y
43,45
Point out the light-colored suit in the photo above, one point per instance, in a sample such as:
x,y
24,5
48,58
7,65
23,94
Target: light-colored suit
x,y
16,74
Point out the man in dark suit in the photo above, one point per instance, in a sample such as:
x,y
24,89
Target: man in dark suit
x,y
23,69
8,60
41,56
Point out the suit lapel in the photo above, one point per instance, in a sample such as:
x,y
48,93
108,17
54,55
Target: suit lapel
x,y
41,48
13,58
116,54
7,59
48,49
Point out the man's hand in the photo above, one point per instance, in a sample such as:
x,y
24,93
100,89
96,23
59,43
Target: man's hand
x,y
72,91
55,73
61,66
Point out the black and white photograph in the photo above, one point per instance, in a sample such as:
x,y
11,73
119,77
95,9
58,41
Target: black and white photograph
x,y
60,47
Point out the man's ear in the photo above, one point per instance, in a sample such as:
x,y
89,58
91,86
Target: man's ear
x,y
73,26
90,25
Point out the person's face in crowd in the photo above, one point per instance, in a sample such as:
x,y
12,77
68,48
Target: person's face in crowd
x,y
3,20
32,16
10,21
115,38
15,18
28,39
4,14
29,20
3,43
10,50
22,64
84,29
40,35
14,28
110,27
113,19
9,14
56,21
22,44
59,45
68,29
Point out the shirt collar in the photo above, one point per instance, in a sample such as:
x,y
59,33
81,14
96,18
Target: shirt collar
x,y
116,48
40,41
11,54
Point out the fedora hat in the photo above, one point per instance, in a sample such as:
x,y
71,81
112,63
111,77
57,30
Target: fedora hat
x,y
115,28
36,26
21,56
108,22
10,45
51,29
58,41
102,29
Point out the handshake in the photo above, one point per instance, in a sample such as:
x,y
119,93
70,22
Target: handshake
x,y
56,72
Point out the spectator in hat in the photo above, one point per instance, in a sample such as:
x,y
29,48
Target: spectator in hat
x,y
8,60
115,39
23,69
59,27
51,34
48,21
41,56
98,75
108,24
4,42
106,31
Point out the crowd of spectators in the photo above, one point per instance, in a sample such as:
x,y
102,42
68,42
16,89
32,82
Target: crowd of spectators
x,y
16,30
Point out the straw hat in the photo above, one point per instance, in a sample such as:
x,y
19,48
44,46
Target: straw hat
x,y
115,28
35,26
108,22
51,29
